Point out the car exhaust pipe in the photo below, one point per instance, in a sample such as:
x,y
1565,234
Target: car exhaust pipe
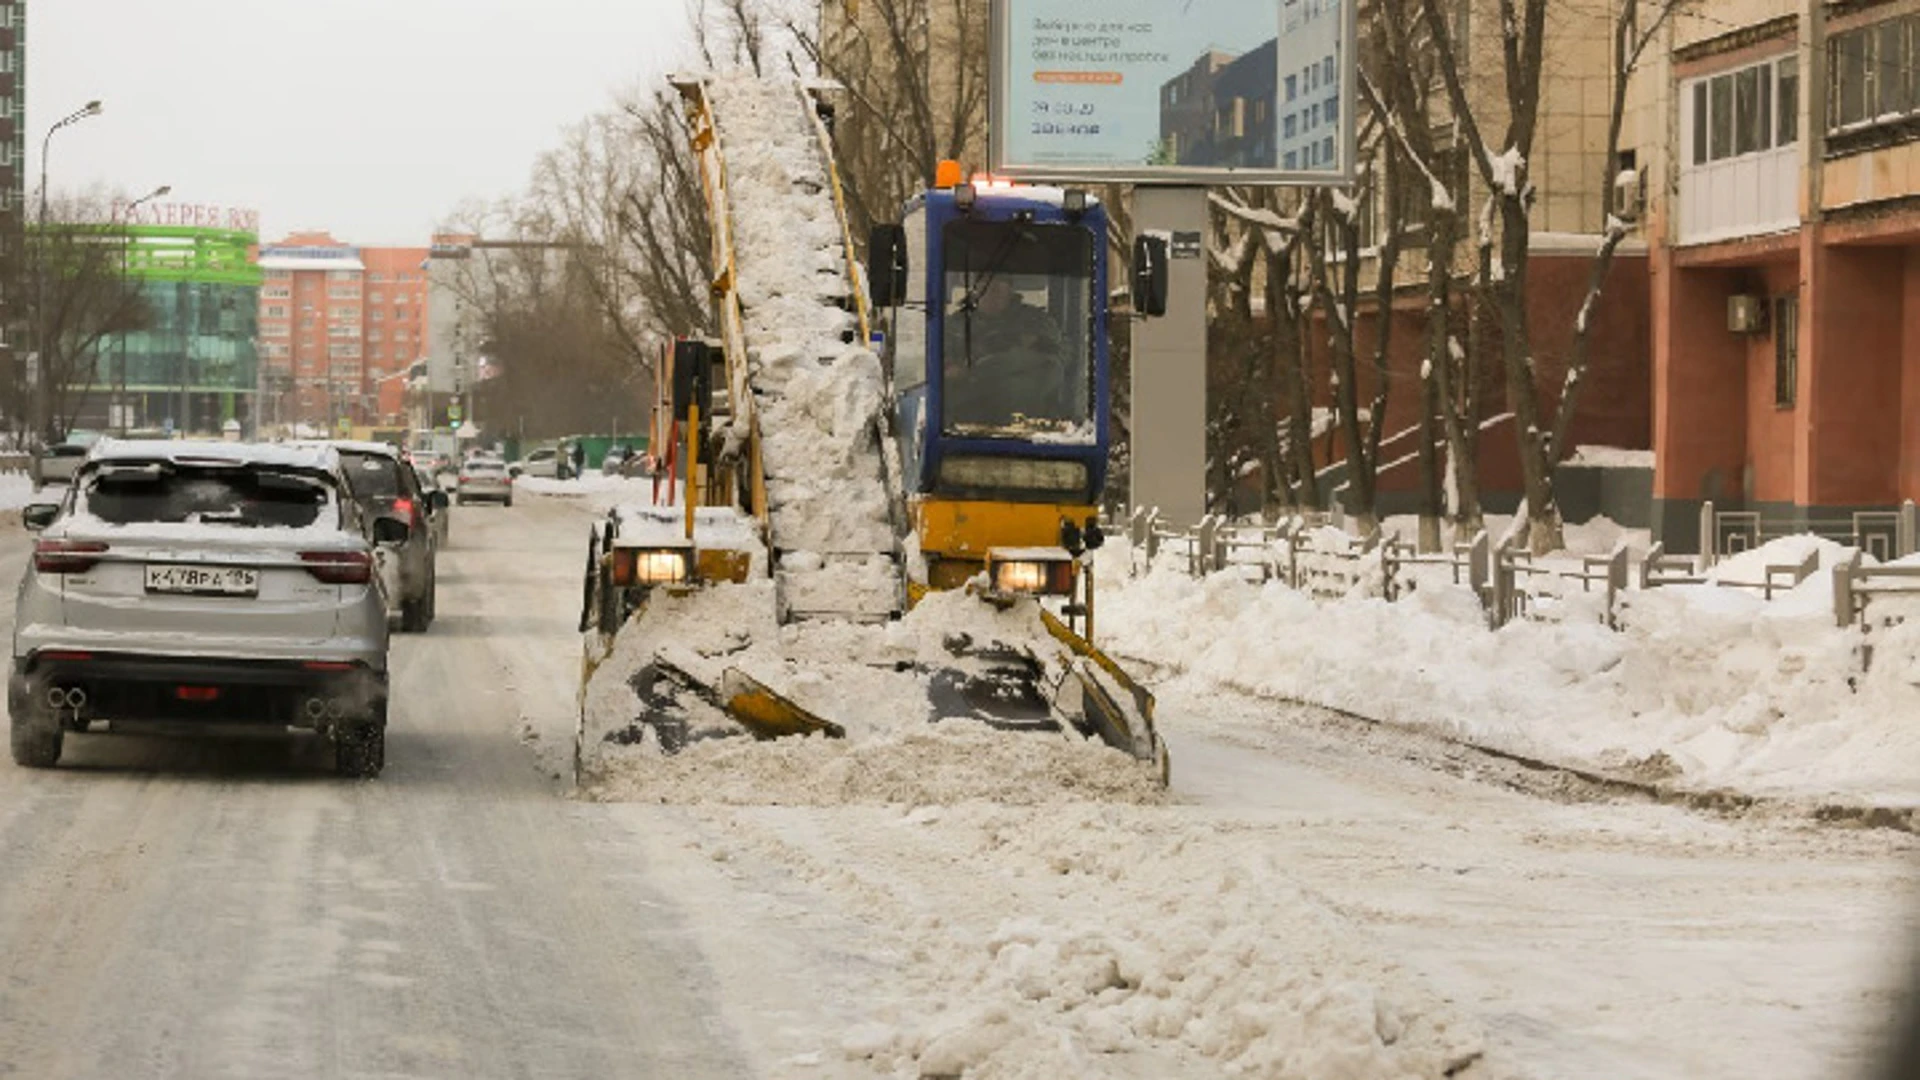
x,y
335,709
57,696
316,708
76,699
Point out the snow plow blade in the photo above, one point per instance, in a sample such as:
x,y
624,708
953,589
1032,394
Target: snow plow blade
x,y
767,714
1103,701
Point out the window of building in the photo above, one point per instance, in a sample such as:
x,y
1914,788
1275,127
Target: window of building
x,y
1289,127
1292,160
375,335
345,314
1745,111
344,292
342,275
1326,70
276,292
1786,350
276,311
1871,75
1332,112
1326,150
1786,77
377,296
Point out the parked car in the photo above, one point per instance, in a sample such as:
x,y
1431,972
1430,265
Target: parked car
x,y
56,464
614,464
482,478
439,514
385,487
220,585
544,462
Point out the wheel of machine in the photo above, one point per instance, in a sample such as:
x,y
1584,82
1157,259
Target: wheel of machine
x,y
360,751
37,737
508,501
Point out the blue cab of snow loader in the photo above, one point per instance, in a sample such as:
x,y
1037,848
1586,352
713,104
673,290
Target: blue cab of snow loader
x,y
993,298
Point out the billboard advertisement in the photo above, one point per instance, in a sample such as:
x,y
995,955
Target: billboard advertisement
x,y
1173,91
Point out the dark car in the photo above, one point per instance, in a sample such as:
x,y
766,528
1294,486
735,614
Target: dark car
x,y
386,485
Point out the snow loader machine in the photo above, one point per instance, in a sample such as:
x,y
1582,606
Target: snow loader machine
x,y
873,456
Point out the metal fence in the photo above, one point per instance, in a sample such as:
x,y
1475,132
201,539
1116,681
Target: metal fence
x,y
1307,556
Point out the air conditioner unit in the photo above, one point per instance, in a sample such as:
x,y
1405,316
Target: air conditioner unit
x,y
1746,314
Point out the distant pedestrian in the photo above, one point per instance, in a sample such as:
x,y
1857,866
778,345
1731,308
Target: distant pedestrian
x,y
578,456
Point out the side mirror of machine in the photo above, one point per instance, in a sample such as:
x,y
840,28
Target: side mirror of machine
x,y
887,265
388,530
692,378
1150,276
37,516
437,499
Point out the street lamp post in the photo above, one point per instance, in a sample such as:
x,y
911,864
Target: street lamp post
x,y
120,368
41,399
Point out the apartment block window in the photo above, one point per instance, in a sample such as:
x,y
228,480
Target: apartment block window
x,y
1293,86
1290,126
1871,74
1745,111
342,275
1786,350
276,311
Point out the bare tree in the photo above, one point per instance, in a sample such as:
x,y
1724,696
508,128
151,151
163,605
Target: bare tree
x,y
74,273
914,74
1505,173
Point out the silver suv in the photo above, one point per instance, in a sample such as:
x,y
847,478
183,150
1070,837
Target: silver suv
x,y
211,585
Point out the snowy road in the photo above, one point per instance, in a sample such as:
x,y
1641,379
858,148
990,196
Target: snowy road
x,y
198,911
203,910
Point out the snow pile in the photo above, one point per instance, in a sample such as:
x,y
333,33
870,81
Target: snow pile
x,y
817,394
1705,686
631,487
872,679
1609,457
1109,941
16,491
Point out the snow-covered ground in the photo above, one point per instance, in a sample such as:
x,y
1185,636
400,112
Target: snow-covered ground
x,y
1703,686
16,490
627,488
1307,901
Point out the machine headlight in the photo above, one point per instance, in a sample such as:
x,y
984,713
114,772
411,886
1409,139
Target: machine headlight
x,y
1036,572
651,566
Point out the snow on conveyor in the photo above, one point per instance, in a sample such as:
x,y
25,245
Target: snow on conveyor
x,y
816,393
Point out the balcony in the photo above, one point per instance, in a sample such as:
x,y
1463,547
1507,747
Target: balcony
x,y
1749,195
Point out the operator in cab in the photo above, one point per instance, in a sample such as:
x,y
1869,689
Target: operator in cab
x,y
1003,359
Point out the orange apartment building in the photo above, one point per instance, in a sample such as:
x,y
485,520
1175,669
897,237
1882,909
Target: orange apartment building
x,y
335,321
1786,275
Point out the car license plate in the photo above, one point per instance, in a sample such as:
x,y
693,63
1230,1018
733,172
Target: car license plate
x,y
204,580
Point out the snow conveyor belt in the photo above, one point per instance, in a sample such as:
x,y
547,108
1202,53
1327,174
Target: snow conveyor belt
x,y
816,388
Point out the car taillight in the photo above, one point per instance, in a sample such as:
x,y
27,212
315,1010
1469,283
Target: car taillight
x,y
66,556
403,506
339,567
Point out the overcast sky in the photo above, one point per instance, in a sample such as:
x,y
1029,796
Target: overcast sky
x,y
369,118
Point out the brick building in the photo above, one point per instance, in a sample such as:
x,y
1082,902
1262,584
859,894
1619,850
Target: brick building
x,y
1786,273
335,320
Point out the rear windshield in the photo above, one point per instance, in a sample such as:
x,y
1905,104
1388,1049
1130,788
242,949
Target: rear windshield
x,y
485,467
243,495
373,477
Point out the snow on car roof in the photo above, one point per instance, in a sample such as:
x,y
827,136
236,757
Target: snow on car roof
x,y
288,455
